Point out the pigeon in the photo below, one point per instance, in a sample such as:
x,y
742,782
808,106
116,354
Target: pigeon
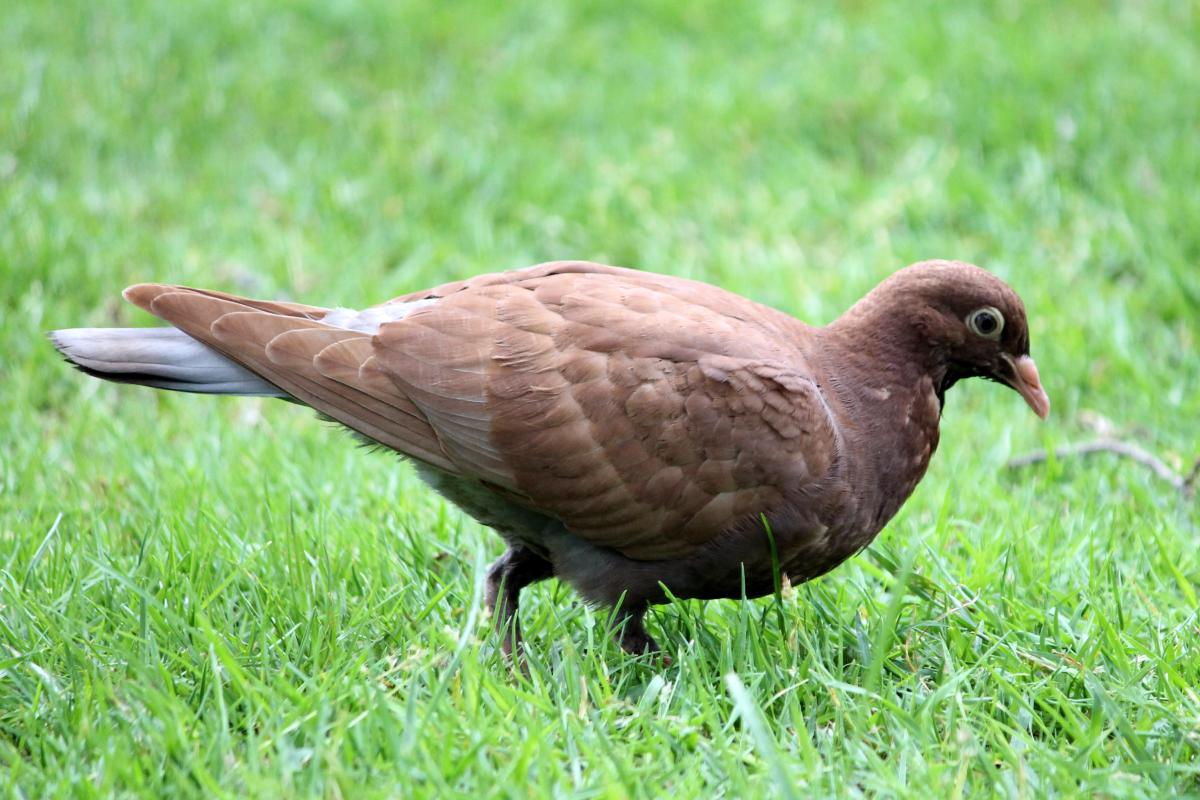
x,y
640,437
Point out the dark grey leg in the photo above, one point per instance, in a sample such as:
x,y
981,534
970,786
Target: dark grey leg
x,y
511,573
631,632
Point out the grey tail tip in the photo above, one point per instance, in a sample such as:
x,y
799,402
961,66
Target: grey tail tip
x,y
56,340
60,347
161,358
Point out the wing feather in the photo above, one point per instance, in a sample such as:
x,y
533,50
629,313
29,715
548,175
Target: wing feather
x,y
245,334
629,410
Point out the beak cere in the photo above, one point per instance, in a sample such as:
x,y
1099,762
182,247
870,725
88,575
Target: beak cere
x,y
1028,384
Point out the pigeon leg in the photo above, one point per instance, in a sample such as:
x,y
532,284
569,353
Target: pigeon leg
x,y
511,573
631,632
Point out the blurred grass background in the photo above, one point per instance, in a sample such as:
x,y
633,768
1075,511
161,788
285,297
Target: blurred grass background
x,y
226,598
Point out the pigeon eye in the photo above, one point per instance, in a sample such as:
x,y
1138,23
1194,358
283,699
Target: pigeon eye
x,y
987,322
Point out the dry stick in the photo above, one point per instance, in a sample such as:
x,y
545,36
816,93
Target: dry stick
x,y
1189,483
1131,451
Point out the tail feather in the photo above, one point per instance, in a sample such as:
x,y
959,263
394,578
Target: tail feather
x,y
164,358
224,344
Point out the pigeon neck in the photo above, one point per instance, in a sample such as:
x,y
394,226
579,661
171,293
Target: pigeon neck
x,y
889,392
886,351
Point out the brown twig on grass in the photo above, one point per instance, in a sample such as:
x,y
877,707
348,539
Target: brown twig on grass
x,y
1182,483
1189,482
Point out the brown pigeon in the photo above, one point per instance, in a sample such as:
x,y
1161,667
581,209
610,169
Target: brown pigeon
x,y
632,434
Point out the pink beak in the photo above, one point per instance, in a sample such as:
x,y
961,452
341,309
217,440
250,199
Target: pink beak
x,y
1029,385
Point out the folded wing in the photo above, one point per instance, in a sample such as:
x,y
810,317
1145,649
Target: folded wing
x,y
649,414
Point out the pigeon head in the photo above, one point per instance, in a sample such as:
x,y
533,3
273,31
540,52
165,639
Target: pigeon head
x,y
958,320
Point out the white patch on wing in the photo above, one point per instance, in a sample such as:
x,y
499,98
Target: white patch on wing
x,y
368,321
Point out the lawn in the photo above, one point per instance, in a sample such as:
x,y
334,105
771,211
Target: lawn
x,y
227,597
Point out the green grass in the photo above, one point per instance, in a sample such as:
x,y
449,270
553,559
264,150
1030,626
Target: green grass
x,y
206,597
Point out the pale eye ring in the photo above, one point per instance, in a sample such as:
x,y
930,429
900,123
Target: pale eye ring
x,y
987,322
